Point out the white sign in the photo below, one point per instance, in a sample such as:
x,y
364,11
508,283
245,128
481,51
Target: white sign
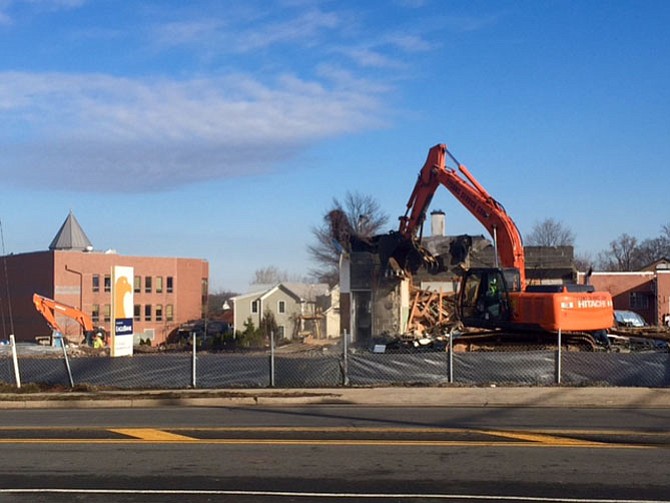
x,y
122,311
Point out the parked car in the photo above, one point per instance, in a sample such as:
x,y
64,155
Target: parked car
x,y
631,319
628,319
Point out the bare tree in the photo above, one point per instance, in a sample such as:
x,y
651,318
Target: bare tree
x,y
583,261
665,232
359,217
651,250
271,275
623,255
550,232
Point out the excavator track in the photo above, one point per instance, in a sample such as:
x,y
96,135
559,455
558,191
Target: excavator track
x,y
497,340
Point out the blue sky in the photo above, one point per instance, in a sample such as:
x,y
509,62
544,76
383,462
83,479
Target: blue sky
x,y
223,129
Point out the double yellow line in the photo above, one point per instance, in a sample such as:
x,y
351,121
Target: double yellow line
x,y
250,436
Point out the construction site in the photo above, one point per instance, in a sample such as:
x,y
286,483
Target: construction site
x,y
486,292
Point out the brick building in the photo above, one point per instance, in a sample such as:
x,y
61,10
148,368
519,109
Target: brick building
x,y
647,292
167,291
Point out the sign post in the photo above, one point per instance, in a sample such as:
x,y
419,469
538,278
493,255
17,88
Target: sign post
x,y
122,311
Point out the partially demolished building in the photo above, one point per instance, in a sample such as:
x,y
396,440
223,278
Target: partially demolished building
x,y
386,304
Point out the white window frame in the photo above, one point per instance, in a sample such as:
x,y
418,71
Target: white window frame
x,y
281,306
254,306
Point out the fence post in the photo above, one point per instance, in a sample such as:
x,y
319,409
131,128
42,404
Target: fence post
x,y
345,358
67,362
193,364
17,375
451,357
558,359
272,358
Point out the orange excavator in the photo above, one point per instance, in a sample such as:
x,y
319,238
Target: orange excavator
x,y
499,297
49,308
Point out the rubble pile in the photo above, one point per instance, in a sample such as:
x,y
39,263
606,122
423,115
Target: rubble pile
x,y
431,313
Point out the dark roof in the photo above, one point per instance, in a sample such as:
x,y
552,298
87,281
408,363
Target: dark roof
x,y
70,236
661,263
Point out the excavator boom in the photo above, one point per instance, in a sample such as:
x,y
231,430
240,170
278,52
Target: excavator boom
x,y
50,308
470,194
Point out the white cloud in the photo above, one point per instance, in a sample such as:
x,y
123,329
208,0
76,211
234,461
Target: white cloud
x,y
409,43
98,132
56,4
187,32
6,6
244,32
303,27
5,18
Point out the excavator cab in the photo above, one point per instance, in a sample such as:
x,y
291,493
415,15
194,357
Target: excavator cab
x,y
484,296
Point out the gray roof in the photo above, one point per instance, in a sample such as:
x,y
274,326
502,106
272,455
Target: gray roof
x,y
70,236
305,291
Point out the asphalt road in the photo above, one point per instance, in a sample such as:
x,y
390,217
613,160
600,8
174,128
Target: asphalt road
x,y
334,453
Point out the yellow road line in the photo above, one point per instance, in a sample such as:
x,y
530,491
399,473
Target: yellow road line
x,y
153,435
348,429
323,443
543,438
536,438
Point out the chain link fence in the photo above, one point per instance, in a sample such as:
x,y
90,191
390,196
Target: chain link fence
x,y
336,364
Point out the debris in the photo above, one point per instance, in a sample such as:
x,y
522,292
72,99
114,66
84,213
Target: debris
x,y
431,314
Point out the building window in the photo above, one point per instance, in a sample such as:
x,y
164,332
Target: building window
x,y
95,313
169,312
159,312
281,307
169,284
159,284
147,284
254,307
147,312
137,285
137,312
96,283
638,300
107,312
280,332
108,283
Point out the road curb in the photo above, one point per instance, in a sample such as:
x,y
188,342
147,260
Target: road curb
x,y
557,397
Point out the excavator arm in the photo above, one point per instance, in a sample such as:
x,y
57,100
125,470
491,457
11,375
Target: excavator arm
x,y
470,194
48,308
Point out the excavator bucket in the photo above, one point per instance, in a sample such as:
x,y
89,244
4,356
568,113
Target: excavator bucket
x,y
405,256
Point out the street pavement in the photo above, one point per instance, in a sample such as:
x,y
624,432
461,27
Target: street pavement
x,y
558,397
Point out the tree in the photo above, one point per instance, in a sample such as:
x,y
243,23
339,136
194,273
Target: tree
x,y
272,275
269,325
657,248
549,232
269,275
651,250
250,337
623,255
216,300
360,217
583,261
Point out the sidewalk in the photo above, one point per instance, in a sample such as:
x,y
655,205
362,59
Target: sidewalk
x,y
558,397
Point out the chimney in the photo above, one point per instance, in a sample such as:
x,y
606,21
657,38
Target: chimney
x,y
438,223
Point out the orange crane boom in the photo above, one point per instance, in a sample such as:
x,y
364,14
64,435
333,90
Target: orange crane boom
x,y
49,308
469,192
